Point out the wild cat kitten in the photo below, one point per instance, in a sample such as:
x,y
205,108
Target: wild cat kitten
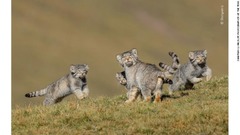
x,y
73,83
192,72
146,77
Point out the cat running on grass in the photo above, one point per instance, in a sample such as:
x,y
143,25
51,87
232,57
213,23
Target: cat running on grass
x,y
73,83
190,73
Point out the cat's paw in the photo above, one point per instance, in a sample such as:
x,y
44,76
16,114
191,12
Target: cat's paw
x,y
208,77
128,101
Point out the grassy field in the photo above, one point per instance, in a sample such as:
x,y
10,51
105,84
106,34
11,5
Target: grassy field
x,y
50,35
202,111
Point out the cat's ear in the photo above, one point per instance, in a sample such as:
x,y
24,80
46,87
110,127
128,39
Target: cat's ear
x,y
86,66
72,68
134,52
117,74
191,55
119,58
205,53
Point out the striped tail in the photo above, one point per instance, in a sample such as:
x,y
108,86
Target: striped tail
x,y
165,66
175,64
166,80
175,58
169,71
36,93
163,75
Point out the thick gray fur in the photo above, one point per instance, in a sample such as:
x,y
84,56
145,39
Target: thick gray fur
x,y
73,83
121,78
146,77
192,72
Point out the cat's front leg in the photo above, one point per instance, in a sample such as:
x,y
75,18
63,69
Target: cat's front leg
x,y
207,74
138,95
85,91
132,94
195,80
81,94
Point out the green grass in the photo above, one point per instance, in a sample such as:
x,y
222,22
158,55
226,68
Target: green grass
x,y
203,110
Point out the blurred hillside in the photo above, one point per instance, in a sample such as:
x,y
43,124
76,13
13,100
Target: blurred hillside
x,y
49,36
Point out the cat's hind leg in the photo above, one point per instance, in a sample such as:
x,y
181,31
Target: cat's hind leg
x,y
147,95
158,90
48,101
158,96
175,86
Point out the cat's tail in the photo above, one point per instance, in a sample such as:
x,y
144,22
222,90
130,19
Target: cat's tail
x,y
163,75
175,64
38,93
167,80
176,61
165,66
